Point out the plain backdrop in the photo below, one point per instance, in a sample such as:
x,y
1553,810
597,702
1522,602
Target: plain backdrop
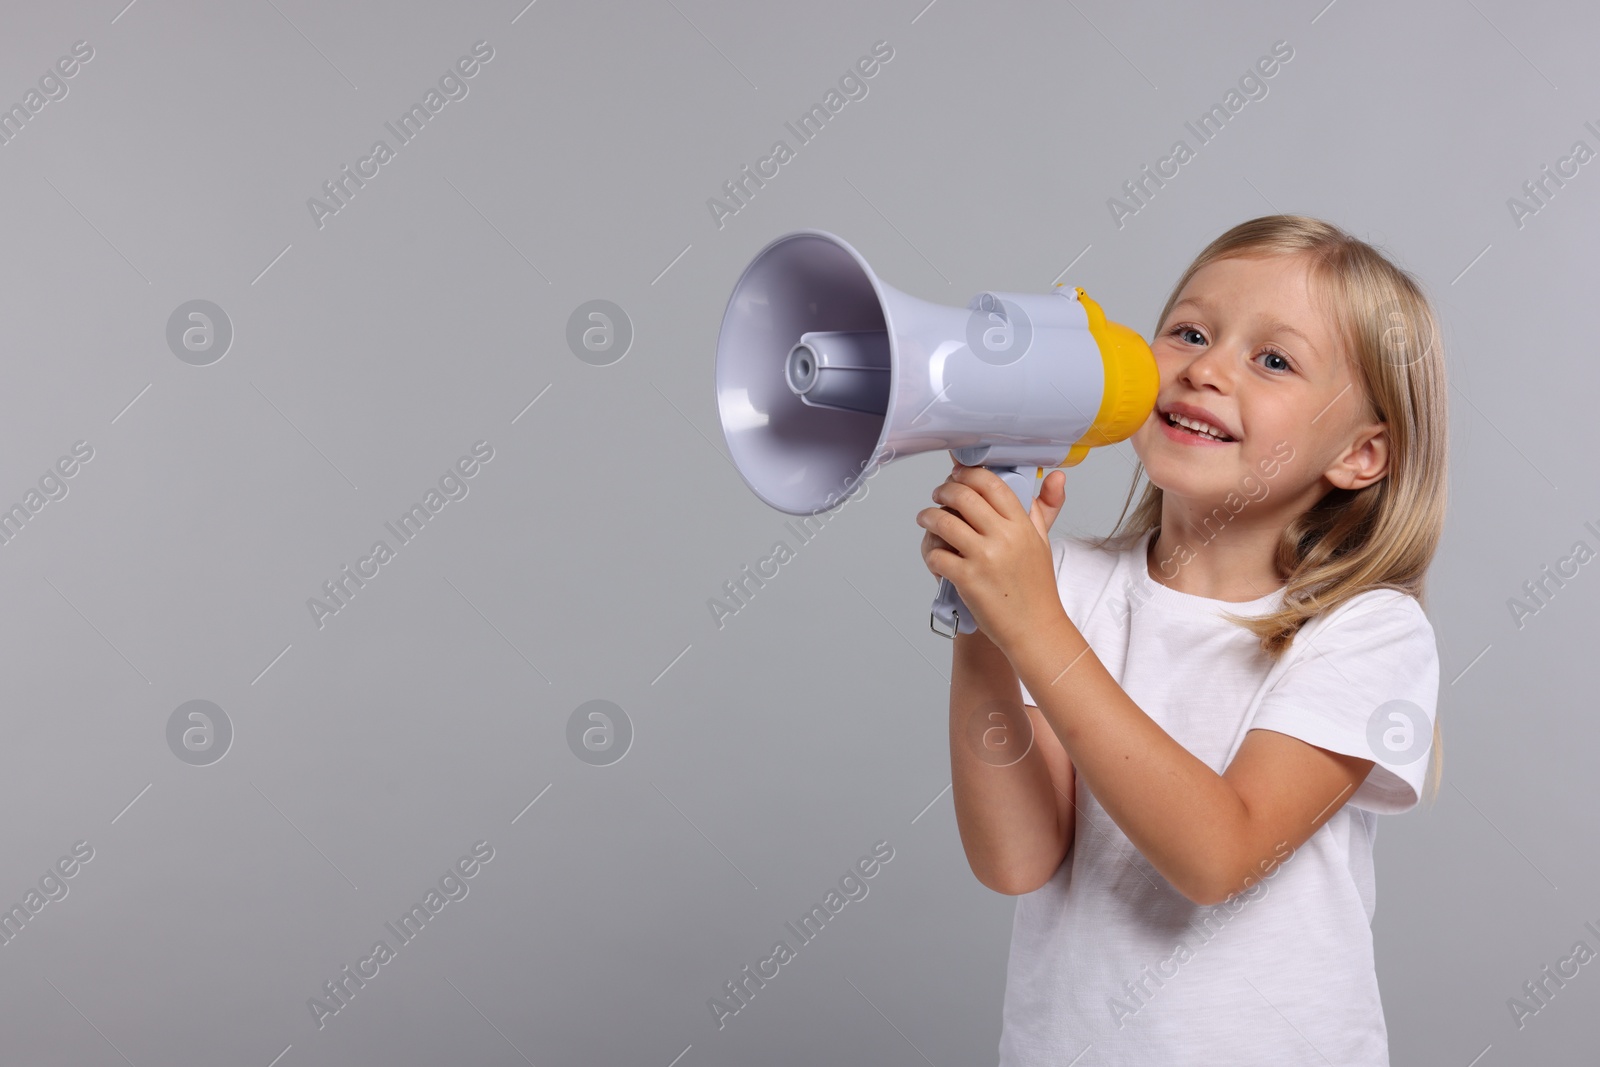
x,y
374,346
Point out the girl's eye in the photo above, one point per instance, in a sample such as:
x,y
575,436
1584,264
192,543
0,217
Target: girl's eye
x,y
1270,354
1190,335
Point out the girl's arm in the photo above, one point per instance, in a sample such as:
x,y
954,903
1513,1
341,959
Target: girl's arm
x,y
1210,835
1016,821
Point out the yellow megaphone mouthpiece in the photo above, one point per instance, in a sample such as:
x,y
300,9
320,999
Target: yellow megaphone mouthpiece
x,y
1132,382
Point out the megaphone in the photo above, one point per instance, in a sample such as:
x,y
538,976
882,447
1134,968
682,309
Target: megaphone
x,y
825,372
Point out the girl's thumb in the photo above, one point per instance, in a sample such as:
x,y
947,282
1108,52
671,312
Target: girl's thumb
x,y
1047,505
1054,490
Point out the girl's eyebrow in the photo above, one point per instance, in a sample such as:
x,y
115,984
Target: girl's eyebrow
x,y
1271,325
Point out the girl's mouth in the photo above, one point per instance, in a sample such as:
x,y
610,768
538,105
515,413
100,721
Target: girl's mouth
x,y
1185,435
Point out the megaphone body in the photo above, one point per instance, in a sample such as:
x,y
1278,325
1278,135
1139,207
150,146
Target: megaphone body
x,y
825,372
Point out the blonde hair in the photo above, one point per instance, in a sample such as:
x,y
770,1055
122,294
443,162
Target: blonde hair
x,y
1385,534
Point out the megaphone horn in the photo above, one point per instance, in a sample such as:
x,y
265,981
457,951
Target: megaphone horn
x,y
824,371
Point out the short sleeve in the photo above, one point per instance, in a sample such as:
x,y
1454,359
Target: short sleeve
x,y
1058,550
1364,684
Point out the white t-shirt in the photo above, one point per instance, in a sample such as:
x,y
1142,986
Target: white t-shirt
x,y
1107,956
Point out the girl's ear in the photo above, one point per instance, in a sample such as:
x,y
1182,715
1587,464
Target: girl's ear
x,y
1365,461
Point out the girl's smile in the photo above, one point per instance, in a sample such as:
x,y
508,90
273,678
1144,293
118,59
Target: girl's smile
x,y
1192,426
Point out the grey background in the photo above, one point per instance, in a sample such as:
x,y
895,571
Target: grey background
x,y
369,354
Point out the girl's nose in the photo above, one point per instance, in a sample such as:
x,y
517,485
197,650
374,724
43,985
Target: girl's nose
x,y
1208,367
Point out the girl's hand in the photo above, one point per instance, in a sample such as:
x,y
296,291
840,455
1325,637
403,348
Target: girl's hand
x,y
998,558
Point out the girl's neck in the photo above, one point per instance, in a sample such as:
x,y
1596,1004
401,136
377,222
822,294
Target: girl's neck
x,y
1230,561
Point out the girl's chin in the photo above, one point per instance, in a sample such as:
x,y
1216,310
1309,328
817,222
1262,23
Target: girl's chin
x,y
1181,480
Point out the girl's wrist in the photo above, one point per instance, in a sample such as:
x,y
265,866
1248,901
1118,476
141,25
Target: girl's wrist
x,y
975,651
1043,641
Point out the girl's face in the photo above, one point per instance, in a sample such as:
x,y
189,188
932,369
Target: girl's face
x,y
1248,350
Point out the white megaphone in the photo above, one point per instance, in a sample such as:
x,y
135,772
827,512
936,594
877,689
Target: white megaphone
x,y
825,371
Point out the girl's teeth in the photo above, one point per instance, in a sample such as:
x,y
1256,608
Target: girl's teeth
x,y
1197,426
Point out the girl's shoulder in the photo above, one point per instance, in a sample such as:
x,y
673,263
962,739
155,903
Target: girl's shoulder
x,y
1377,626
1379,605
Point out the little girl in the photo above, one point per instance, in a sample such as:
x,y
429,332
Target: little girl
x,y
1219,699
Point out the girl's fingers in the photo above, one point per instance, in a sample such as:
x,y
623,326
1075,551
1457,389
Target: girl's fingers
x,y
1055,489
957,535
931,541
969,503
1001,500
1048,504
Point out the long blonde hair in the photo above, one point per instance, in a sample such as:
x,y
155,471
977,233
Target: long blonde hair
x,y
1385,534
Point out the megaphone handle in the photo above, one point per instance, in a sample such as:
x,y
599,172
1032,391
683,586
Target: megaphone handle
x,y
948,610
